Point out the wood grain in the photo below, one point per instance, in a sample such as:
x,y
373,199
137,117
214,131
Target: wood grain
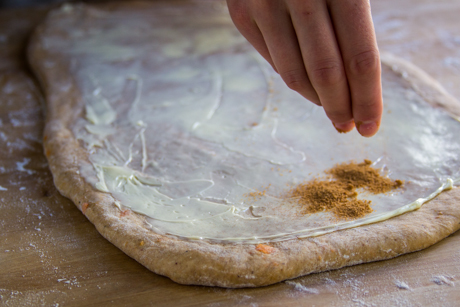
x,y
51,255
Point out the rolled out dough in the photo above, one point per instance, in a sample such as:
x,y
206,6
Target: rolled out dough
x,y
91,60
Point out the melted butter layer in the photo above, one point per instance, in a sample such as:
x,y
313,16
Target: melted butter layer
x,y
184,120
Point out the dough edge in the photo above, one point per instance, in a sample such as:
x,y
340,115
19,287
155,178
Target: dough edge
x,y
234,265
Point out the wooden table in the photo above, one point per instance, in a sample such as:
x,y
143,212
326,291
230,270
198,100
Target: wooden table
x,y
51,255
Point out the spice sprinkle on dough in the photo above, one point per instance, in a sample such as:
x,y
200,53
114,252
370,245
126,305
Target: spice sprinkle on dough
x,y
338,195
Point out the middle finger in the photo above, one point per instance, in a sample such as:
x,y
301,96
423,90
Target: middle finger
x,y
322,59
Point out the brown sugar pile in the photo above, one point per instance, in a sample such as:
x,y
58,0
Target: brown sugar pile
x,y
339,196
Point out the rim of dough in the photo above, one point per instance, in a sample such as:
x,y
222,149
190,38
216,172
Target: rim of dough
x,y
235,265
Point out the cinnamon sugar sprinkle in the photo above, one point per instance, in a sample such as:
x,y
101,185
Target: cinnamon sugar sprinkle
x,y
339,195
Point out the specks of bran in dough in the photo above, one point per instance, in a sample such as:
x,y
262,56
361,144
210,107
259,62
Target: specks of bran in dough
x,y
84,207
266,249
124,213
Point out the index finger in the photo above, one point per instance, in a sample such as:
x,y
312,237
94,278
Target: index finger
x,y
355,33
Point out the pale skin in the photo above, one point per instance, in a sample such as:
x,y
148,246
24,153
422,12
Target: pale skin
x,y
325,50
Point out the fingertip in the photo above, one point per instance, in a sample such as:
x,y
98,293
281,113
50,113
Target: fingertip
x,y
344,127
368,128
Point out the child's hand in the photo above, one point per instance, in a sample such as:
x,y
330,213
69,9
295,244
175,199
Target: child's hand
x,y
324,49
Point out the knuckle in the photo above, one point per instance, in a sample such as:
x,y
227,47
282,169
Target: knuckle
x,y
304,10
267,10
295,79
327,73
365,62
265,6
338,116
243,12
368,104
367,109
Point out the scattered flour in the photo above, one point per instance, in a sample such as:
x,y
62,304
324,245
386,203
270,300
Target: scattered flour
x,y
442,280
20,166
402,285
300,287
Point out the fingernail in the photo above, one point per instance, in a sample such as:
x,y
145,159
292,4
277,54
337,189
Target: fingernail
x,y
368,128
344,127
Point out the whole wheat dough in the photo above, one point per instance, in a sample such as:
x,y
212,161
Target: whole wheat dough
x,y
71,40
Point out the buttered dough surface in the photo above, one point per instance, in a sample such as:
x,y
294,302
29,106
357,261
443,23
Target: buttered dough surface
x,y
184,120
